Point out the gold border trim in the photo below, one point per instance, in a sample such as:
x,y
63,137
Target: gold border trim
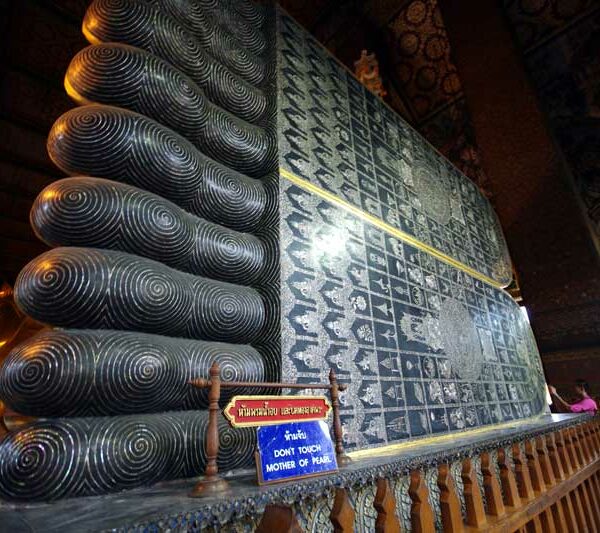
x,y
377,222
233,423
414,443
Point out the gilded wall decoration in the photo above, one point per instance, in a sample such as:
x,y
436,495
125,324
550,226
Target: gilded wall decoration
x,y
424,346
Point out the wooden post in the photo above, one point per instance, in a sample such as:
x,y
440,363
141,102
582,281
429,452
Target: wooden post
x,y
472,493
563,454
572,445
555,462
580,461
342,458
212,483
385,505
491,487
449,502
583,444
522,474
421,515
595,501
535,469
565,504
278,518
563,442
509,484
538,484
589,442
544,460
595,427
342,514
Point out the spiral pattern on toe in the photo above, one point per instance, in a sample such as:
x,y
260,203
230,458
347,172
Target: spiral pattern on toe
x,y
68,286
134,20
107,372
250,13
214,26
156,89
69,211
144,26
159,262
87,456
43,461
108,142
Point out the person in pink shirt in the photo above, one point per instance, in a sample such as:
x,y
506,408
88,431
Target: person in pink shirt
x,y
585,404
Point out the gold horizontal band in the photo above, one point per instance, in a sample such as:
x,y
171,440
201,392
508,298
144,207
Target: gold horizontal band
x,y
436,439
382,225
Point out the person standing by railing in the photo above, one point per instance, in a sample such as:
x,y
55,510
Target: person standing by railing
x,y
586,403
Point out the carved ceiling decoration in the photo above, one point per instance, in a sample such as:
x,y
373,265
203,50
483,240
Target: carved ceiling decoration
x,y
536,21
422,61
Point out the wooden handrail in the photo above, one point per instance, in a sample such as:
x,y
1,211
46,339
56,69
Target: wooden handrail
x,y
550,484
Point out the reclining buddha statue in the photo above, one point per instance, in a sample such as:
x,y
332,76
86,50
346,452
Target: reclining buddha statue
x,y
233,194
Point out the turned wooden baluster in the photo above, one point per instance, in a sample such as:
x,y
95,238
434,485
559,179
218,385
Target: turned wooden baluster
x,y
555,462
385,505
578,494
586,493
507,478
566,504
594,480
544,460
563,443
584,445
472,494
593,502
449,502
595,426
593,429
334,391
491,487
589,439
522,474
524,485
594,491
342,513
212,483
593,488
563,454
279,518
535,468
572,443
537,482
421,515
582,459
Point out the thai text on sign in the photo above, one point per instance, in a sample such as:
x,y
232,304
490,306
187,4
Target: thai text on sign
x,y
244,411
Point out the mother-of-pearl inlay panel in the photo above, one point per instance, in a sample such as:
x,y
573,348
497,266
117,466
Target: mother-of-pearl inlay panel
x,y
391,266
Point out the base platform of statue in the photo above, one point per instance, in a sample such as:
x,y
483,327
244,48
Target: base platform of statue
x,y
409,469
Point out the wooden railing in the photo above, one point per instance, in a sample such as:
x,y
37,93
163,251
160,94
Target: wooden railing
x,y
547,484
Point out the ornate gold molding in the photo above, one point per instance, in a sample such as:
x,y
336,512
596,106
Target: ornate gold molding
x,y
384,226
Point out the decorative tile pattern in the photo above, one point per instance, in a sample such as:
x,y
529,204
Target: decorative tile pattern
x,y
340,137
424,347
